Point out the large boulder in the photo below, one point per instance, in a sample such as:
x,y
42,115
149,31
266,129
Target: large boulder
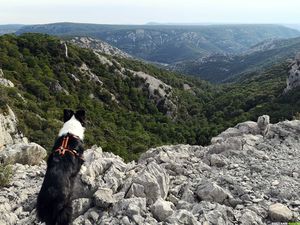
x,y
280,213
100,169
263,124
31,154
103,197
210,191
152,182
162,209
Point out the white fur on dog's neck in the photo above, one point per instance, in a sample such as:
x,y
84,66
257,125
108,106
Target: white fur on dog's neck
x,y
72,126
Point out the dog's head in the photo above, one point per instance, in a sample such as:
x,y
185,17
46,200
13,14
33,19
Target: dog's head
x,y
74,123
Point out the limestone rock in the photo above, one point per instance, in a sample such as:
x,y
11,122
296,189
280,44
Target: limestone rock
x,y
293,80
218,160
210,191
130,206
162,209
57,88
80,206
151,182
263,124
280,213
231,181
5,82
104,197
9,133
30,154
250,218
183,217
92,77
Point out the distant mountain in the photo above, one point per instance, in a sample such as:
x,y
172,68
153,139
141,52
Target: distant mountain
x,y
293,26
170,43
9,28
228,68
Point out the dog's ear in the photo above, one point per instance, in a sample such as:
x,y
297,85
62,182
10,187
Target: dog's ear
x,y
80,116
68,114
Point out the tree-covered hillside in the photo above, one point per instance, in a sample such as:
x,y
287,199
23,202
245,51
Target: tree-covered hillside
x,y
123,116
171,43
228,68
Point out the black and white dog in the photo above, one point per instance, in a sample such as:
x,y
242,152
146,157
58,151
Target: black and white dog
x,y
54,200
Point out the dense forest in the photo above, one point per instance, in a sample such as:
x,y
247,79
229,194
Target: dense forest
x,y
131,122
227,68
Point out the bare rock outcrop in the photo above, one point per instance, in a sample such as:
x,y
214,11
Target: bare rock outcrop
x,y
293,80
99,46
258,183
14,147
9,133
5,82
92,77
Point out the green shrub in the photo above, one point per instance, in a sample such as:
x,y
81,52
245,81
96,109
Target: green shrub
x,y
6,174
296,116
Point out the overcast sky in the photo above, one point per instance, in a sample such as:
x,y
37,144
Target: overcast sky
x,y
143,11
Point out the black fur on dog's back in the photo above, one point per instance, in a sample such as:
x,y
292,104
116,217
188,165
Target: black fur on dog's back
x,y
54,200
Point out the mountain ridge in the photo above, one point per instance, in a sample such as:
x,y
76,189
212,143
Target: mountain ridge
x,y
158,43
228,68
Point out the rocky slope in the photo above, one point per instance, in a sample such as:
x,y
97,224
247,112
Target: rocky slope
x,y
248,175
99,46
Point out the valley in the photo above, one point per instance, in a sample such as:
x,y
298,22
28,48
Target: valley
x,y
216,53
132,105
229,68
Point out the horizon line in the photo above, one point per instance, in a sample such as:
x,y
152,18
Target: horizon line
x,y
153,23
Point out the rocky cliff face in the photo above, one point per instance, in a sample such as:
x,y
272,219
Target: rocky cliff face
x,y
14,147
9,133
248,175
293,81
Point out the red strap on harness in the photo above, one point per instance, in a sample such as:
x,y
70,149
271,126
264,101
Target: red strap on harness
x,y
64,148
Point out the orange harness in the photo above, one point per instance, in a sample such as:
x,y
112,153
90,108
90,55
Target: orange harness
x,y
64,148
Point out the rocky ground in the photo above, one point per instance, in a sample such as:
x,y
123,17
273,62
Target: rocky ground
x,y
249,175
